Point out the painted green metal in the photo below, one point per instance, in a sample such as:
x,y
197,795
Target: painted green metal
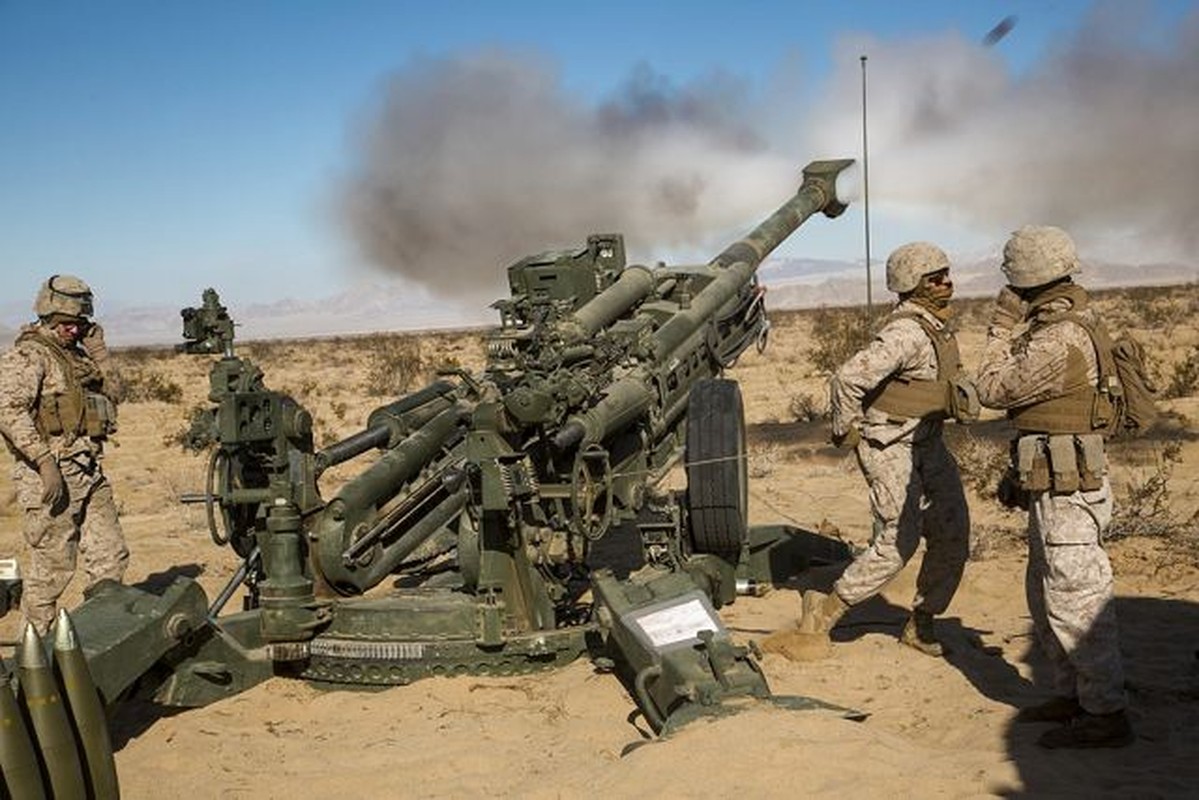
x,y
513,520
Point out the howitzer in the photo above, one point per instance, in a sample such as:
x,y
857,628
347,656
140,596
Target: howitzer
x,y
510,520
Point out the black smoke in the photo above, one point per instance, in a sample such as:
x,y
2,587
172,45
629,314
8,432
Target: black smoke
x,y
463,164
469,163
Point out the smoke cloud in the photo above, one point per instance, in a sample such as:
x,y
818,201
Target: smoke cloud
x,y
471,163
1100,137
465,164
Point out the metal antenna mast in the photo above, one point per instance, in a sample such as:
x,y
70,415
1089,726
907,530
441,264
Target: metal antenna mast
x,y
866,192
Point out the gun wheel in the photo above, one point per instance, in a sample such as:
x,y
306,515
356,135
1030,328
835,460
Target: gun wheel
x,y
717,473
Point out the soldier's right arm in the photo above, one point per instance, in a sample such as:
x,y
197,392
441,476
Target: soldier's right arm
x,y
21,377
1011,375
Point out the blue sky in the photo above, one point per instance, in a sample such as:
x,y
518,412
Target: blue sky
x,y
155,148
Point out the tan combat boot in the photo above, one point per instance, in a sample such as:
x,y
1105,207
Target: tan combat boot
x,y
918,634
821,611
1090,730
1056,709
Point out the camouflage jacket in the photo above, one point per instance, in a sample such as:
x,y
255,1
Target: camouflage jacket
x,y
31,371
1027,364
900,349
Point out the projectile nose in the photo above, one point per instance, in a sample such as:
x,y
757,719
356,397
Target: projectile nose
x,y
32,656
64,632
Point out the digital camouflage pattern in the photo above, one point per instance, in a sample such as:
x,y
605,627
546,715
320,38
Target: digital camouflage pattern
x,y
1069,580
911,262
88,526
914,483
1038,254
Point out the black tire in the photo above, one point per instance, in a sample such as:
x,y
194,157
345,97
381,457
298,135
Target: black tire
x,y
717,473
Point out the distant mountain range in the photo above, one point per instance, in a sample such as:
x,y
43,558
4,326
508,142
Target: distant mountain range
x,y
807,283
392,306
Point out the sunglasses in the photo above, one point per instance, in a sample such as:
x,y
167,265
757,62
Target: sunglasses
x,y
938,278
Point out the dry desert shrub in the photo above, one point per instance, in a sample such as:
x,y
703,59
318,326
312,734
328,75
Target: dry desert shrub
x,y
1149,307
763,459
981,462
838,333
196,435
143,384
1144,507
394,365
1184,378
806,407
972,313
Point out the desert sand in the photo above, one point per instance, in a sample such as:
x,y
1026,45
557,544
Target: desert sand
x,y
932,728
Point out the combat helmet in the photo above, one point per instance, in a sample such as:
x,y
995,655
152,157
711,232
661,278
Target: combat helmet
x,y
909,263
65,296
1038,254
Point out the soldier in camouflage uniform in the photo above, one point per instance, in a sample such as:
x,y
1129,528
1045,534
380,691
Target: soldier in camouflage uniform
x,y
889,402
1043,363
57,406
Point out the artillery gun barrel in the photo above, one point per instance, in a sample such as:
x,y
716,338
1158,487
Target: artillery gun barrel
x,y
736,264
818,192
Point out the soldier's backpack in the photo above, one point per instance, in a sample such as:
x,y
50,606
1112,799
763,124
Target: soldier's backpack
x,y
1139,410
1124,379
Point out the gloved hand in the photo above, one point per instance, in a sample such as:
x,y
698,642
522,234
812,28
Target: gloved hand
x,y
1009,309
93,343
848,440
54,489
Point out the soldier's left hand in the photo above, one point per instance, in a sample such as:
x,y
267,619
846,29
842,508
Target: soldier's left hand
x,y
93,343
848,440
1009,309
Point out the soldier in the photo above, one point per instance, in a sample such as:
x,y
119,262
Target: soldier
x,y
57,407
1043,363
889,402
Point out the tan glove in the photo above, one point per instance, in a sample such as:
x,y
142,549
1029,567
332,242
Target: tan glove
x,y
54,489
1009,309
93,343
848,440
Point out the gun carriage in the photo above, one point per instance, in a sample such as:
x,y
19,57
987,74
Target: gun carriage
x,y
510,520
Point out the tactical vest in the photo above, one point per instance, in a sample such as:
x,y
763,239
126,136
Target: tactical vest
x,y
914,398
80,410
1085,408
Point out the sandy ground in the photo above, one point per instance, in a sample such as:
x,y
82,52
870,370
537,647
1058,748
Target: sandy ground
x,y
933,727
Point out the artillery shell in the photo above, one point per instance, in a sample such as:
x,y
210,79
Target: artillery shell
x,y
18,759
86,709
51,725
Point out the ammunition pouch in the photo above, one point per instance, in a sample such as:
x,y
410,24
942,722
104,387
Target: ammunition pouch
x,y
60,414
964,405
1059,463
99,416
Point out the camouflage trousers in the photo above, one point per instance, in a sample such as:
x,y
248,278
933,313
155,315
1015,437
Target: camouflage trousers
x,y
915,492
87,527
1070,588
